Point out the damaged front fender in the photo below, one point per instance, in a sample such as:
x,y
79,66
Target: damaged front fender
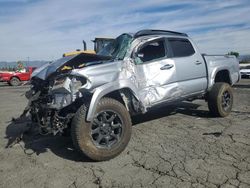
x,y
106,89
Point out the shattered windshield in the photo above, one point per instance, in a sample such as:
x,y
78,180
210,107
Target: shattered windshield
x,y
118,48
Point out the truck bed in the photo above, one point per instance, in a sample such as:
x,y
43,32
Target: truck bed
x,y
215,63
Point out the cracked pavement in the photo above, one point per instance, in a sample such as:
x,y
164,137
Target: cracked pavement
x,y
170,147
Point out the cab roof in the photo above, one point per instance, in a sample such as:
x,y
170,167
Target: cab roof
x,y
147,32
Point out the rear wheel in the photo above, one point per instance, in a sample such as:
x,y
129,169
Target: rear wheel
x,y
14,81
109,133
220,99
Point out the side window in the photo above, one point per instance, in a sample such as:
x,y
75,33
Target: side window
x,y
181,47
151,51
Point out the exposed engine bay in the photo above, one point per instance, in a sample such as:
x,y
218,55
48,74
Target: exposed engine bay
x,y
53,94
46,103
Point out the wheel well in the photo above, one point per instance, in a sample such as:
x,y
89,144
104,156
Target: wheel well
x,y
222,76
116,95
127,98
15,77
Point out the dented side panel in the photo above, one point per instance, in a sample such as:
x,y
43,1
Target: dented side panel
x,y
157,84
98,75
149,82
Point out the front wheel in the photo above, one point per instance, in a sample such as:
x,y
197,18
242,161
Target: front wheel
x,y
14,81
220,99
107,135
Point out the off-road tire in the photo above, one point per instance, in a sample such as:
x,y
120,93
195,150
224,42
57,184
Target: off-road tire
x,y
14,81
215,96
81,131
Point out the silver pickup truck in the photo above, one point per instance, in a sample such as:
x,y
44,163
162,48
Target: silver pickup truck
x,y
95,95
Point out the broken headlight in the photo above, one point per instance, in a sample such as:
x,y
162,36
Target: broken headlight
x,y
65,90
68,84
61,85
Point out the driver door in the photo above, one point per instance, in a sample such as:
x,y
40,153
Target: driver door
x,y
156,74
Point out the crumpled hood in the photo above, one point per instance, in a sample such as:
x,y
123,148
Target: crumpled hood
x,y
44,71
75,61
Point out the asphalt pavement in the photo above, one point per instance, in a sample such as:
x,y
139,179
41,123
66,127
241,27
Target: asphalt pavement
x,y
175,146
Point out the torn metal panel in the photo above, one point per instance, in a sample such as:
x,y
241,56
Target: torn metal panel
x,y
128,71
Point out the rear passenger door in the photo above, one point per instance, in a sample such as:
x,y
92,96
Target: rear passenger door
x,y
190,66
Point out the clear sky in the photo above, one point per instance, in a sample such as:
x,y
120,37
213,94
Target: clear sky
x,y
45,29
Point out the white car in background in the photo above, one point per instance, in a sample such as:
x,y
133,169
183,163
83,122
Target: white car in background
x,y
245,71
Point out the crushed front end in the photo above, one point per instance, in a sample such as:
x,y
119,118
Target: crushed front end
x,y
56,94
52,102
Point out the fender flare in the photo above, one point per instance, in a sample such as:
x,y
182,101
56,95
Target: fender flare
x,y
214,73
104,90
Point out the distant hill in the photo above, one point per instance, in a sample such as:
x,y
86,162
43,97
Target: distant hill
x,y
5,64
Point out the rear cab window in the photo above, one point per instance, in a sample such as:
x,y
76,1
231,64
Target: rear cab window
x,y
181,47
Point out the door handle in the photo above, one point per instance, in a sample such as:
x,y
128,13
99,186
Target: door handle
x,y
198,62
167,66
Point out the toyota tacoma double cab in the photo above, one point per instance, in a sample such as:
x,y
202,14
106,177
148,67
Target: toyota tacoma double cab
x,y
95,95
